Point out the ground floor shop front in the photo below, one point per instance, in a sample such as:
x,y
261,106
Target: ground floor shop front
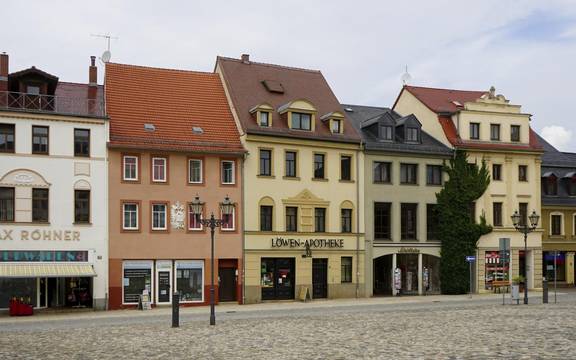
x,y
558,262
159,279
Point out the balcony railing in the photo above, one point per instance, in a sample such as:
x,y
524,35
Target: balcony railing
x,y
51,104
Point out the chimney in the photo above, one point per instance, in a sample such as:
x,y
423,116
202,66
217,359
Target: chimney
x,y
93,72
3,72
92,86
245,58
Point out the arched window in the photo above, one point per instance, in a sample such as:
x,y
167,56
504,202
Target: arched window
x,y
266,208
347,217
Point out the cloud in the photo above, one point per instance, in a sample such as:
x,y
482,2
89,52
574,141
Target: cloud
x,y
557,136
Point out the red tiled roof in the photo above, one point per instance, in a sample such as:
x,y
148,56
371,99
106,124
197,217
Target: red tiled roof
x,y
174,101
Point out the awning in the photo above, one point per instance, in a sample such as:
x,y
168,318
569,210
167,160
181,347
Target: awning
x,y
32,270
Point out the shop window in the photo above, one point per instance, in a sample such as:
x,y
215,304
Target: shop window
x,y
291,218
7,204
81,206
266,218
345,167
432,220
408,221
227,172
382,172
137,278
556,225
265,162
515,133
319,164
474,131
409,174
159,215
301,121
194,220
346,217
319,219
497,214
382,221
82,142
290,158
195,171
130,216
7,138
40,205
496,172
495,132
25,289
434,174
40,140
189,280
229,221
346,269
159,169
130,168
555,265
497,268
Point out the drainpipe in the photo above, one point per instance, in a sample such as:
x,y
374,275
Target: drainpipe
x,y
243,231
358,202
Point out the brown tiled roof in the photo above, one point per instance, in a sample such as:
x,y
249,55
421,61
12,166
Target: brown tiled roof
x,y
247,90
174,101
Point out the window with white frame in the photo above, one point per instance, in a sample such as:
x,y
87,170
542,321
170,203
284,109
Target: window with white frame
x,y
227,172
195,171
130,168
159,214
194,220
159,166
189,280
130,216
229,221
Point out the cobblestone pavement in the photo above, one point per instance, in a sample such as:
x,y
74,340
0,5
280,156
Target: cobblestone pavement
x,y
427,331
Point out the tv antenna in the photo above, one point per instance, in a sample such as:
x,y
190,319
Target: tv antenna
x,y
106,55
406,77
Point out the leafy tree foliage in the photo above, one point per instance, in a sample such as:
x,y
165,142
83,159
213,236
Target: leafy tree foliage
x,y
457,229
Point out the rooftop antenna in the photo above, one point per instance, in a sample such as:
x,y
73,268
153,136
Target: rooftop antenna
x,y
406,77
106,55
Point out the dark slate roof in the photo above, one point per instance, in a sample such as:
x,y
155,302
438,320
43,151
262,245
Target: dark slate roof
x,y
360,115
561,164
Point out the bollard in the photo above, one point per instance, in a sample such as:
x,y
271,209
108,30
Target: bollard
x,y
175,310
544,291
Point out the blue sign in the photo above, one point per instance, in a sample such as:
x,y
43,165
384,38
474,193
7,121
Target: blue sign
x,y
470,258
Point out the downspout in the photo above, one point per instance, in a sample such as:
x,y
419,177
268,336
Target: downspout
x,y
358,203
243,231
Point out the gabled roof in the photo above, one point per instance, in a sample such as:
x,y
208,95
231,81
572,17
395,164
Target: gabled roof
x,y
174,101
245,82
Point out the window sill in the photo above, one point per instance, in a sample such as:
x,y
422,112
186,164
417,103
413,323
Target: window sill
x,y
382,183
227,184
31,223
266,176
291,178
347,181
409,184
319,179
436,185
82,224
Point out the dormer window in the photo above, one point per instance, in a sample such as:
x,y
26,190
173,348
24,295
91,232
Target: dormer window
x,y
299,115
32,90
386,132
336,126
550,184
301,121
264,118
262,114
412,135
571,184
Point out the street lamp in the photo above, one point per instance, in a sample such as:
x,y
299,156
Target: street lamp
x,y
521,225
226,208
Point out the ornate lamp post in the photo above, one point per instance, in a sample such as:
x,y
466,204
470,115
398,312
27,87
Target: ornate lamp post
x,y
227,208
521,225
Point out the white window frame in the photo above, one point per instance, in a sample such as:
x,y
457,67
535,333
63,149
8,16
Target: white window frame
x,y
190,171
165,216
193,265
165,172
233,220
201,217
124,216
135,178
267,114
333,124
233,172
562,224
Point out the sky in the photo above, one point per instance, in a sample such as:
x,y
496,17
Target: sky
x,y
526,49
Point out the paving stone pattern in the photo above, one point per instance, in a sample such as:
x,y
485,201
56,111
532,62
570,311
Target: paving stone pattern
x,y
457,332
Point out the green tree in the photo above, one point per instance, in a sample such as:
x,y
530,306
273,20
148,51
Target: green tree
x,y
458,231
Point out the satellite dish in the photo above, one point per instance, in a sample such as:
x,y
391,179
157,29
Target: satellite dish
x,y
406,77
106,56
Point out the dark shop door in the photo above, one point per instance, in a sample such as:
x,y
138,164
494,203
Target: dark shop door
x,y
227,288
319,278
163,286
278,277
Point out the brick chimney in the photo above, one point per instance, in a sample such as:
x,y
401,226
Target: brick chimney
x,y
3,72
93,72
92,86
245,58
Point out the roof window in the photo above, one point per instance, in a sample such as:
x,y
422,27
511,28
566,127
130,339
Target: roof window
x,y
197,130
149,127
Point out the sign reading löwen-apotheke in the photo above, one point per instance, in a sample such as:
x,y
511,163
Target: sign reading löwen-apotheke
x,y
280,242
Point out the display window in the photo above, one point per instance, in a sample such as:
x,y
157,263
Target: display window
x,y
190,280
137,279
496,268
24,289
558,266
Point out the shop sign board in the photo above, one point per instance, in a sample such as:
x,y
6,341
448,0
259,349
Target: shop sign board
x,y
408,250
280,242
39,235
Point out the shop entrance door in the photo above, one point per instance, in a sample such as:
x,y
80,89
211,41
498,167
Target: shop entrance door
x,y
163,286
277,278
227,286
319,278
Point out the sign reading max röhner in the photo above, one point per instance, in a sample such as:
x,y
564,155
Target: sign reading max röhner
x,y
302,243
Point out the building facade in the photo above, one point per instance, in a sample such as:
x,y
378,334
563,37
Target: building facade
x,y
402,174
172,139
53,190
492,130
302,183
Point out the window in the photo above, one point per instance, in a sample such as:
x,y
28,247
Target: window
x,y
432,220
227,172
382,221
346,269
82,142
39,139
229,221
32,90
6,204
159,168
381,172
82,206
515,133
408,173
290,163
434,174
318,166
264,118
266,218
130,168
408,221
497,214
189,280
571,184
195,171
474,131
495,132
386,132
345,167
40,205
301,121
346,216
336,126
7,137
137,278
130,216
522,173
550,185
319,219
556,225
412,135
194,220
159,217
523,211
291,218
265,162
496,172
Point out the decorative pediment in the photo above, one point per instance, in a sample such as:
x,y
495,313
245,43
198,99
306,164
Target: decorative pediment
x,y
491,97
305,197
261,107
24,177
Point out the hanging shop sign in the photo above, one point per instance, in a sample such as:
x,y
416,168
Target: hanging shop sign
x,y
39,235
280,242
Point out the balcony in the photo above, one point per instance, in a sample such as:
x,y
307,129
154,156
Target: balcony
x,y
49,104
